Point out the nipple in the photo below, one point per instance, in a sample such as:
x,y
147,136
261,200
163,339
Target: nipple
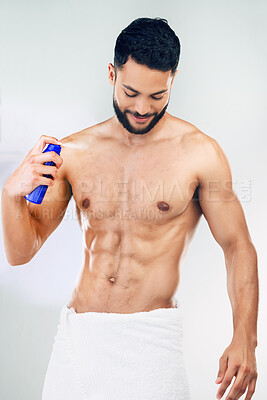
x,y
163,206
86,203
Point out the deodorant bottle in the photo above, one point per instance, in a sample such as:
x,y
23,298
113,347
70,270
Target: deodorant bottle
x,y
37,195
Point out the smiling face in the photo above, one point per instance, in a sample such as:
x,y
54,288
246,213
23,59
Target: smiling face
x,y
140,96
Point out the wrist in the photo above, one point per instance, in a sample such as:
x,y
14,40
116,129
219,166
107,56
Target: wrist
x,y
8,192
247,337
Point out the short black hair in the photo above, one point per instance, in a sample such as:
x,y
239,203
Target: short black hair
x,y
150,42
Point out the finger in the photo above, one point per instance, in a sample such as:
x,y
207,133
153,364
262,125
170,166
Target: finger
x,y
219,379
45,157
251,389
46,170
238,385
223,362
230,373
52,156
44,180
244,386
43,141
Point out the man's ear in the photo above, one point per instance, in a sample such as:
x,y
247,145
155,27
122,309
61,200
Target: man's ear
x,y
111,74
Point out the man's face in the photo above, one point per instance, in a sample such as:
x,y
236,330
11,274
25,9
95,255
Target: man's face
x,y
140,96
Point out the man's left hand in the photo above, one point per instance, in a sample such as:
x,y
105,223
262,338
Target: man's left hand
x,y
238,360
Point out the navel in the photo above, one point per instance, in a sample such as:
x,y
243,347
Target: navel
x,y
86,203
163,206
112,279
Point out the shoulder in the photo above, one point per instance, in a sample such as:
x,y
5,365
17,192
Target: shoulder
x,y
79,140
190,133
208,155
199,141
212,162
76,144
186,133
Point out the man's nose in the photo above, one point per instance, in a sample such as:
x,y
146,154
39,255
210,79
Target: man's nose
x,y
142,107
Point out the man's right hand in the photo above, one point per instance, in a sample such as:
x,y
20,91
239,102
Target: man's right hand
x,y
30,172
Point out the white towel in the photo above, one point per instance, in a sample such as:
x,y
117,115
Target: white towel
x,y
113,356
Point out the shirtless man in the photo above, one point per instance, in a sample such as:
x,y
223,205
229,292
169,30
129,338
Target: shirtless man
x,y
141,181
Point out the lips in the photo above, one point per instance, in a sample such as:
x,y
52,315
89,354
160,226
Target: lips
x,y
139,119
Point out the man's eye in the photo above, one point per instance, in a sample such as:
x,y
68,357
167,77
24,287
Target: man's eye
x,y
157,98
154,98
129,95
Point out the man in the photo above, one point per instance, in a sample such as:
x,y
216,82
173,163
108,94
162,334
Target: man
x,y
141,181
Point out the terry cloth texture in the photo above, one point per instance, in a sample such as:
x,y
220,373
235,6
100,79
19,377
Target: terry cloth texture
x,y
113,356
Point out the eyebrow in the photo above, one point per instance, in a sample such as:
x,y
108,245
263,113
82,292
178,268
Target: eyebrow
x,y
136,91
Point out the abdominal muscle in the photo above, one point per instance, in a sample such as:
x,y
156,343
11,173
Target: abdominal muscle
x,y
116,283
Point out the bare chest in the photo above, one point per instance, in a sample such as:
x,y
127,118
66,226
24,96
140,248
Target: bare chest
x,y
153,184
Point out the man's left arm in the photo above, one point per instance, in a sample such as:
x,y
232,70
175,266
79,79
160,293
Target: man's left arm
x,y
226,219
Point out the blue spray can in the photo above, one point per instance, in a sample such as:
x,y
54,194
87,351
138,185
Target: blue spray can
x,y
37,195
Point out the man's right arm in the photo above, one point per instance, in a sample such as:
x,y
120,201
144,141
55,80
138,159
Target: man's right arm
x,y
27,226
19,233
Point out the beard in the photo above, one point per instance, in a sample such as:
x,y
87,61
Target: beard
x,y
122,117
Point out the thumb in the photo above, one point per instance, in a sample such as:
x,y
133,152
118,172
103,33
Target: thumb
x,y
222,369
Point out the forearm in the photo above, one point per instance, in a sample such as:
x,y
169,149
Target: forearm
x,y
243,289
19,233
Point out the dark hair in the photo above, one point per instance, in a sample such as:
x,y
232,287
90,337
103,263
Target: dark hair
x,y
150,42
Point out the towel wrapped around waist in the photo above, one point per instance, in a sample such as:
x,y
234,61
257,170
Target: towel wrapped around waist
x,y
108,356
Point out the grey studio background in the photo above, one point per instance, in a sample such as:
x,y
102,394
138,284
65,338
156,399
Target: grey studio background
x,y
53,70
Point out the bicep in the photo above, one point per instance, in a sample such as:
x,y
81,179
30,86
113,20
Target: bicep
x,y
219,203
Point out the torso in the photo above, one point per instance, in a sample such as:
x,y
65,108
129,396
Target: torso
x,y
137,207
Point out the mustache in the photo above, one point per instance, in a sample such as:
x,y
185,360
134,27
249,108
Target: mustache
x,y
140,116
